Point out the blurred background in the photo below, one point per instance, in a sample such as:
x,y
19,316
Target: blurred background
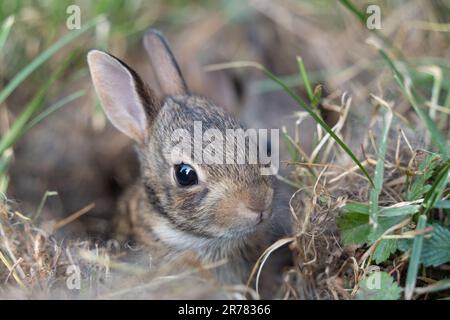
x,y
75,152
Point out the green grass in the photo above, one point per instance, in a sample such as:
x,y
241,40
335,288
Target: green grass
x,y
414,261
379,170
428,186
27,118
413,234
408,89
44,56
302,104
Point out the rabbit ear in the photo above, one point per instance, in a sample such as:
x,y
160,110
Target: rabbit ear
x,y
165,67
127,102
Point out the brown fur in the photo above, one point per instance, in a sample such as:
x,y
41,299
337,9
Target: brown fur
x,y
214,220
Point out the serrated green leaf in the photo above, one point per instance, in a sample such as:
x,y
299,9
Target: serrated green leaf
x,y
378,286
419,186
356,207
355,228
379,171
384,223
363,208
384,249
436,250
405,210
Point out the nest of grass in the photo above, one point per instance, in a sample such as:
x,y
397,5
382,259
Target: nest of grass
x,y
323,267
35,264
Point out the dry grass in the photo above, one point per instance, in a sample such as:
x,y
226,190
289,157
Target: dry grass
x,y
34,258
35,264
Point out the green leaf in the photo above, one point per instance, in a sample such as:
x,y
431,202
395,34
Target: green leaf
x,y
398,210
384,249
436,249
420,184
5,29
18,128
378,286
357,207
384,223
301,103
405,210
355,228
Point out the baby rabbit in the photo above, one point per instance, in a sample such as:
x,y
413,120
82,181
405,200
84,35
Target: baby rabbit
x,y
214,211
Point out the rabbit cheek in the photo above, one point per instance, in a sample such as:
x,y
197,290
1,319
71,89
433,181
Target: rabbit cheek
x,y
189,206
224,217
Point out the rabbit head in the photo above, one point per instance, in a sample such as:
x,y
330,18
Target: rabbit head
x,y
207,200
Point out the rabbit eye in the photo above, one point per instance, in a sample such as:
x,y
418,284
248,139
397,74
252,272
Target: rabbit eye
x,y
185,175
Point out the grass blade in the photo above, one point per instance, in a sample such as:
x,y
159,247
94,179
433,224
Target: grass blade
x,y
5,29
305,79
291,149
413,267
442,204
55,107
17,129
44,56
5,160
356,12
379,171
316,97
436,136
